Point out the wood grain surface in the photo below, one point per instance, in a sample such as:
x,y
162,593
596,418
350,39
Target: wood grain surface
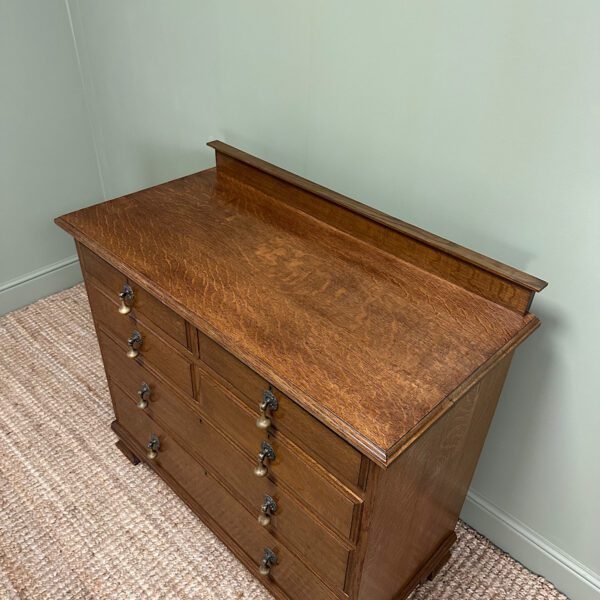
x,y
206,497
296,526
339,457
418,499
154,349
473,271
370,344
144,306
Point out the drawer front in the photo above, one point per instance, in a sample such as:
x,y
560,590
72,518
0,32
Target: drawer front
x,y
153,349
130,375
318,490
103,273
143,305
327,555
289,573
328,448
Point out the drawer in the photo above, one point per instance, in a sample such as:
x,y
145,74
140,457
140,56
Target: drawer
x,y
143,305
131,375
320,549
327,447
328,498
103,273
176,464
153,350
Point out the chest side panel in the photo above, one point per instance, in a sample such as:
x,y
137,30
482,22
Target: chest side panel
x,y
418,499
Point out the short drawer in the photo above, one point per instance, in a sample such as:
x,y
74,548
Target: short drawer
x,y
141,304
327,447
153,349
132,376
177,465
334,503
325,553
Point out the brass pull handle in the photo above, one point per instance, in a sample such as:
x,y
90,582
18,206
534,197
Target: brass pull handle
x,y
153,447
144,395
266,452
126,296
268,508
269,560
134,342
267,406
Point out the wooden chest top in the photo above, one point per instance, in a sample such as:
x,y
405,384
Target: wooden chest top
x,y
371,336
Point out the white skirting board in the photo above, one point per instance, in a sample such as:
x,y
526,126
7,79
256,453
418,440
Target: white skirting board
x,y
529,548
38,284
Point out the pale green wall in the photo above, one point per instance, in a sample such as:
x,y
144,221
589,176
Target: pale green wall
x,y
150,78
477,120
481,122
47,159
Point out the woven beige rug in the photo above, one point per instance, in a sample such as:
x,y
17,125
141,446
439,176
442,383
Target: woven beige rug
x,y
78,521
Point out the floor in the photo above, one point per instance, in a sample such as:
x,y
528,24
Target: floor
x,y
77,520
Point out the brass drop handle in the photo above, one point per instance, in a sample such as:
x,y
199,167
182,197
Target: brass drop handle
x,y
126,296
144,395
153,447
268,508
267,406
268,561
266,452
134,342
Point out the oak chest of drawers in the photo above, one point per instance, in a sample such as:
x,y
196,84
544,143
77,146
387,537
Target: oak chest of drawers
x,y
314,378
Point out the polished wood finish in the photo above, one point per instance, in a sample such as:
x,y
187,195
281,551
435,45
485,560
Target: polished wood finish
x,y
430,568
339,457
100,273
324,552
308,531
250,538
335,503
385,346
131,375
420,496
365,341
144,306
480,274
154,349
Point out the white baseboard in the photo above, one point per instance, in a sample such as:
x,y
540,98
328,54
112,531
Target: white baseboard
x,y
38,284
525,545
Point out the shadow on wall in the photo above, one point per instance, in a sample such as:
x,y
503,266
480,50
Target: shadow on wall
x,y
492,246
156,163
520,417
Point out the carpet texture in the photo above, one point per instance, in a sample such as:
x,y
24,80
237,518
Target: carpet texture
x,y
77,520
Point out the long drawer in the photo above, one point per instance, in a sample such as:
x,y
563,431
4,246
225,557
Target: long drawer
x,y
322,550
141,304
171,460
329,449
153,349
